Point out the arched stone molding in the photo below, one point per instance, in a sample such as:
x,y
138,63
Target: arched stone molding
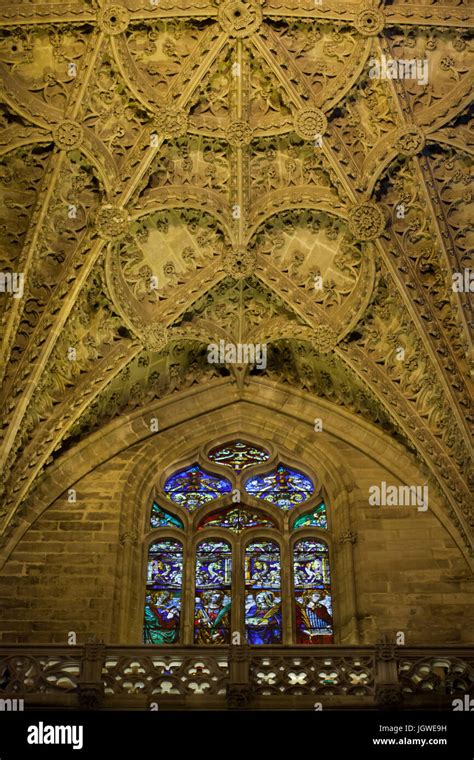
x,y
275,398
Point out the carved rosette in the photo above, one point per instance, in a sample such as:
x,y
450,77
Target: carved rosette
x,y
309,123
155,337
324,339
240,18
410,141
239,133
170,122
113,20
112,222
238,262
366,221
369,22
68,135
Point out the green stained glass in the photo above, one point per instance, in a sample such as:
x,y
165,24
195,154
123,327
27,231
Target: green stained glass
x,y
160,518
315,518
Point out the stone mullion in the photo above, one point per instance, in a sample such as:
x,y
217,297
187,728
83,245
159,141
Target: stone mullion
x,y
407,419
343,569
188,591
238,589
287,593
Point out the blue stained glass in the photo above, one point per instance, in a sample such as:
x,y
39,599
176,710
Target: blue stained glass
x,y
283,487
163,593
193,487
313,600
238,455
160,518
263,593
213,602
316,518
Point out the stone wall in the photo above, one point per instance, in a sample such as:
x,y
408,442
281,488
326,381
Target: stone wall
x,y
79,566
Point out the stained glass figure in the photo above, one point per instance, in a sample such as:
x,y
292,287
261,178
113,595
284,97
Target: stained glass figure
x,y
193,487
238,455
283,487
160,518
263,593
236,519
314,624
212,617
163,593
316,518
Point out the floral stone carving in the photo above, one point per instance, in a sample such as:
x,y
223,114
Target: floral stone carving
x,y
239,133
68,135
324,339
170,122
112,222
369,22
113,20
155,337
410,141
238,262
366,221
240,18
309,123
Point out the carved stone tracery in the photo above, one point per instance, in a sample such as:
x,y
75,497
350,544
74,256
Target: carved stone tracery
x,y
186,147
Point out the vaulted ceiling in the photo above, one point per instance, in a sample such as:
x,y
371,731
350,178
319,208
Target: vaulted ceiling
x,y
177,173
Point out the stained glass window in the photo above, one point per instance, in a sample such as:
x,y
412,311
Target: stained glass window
x,y
263,593
163,593
160,518
283,487
312,592
236,519
238,455
193,487
316,518
212,616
